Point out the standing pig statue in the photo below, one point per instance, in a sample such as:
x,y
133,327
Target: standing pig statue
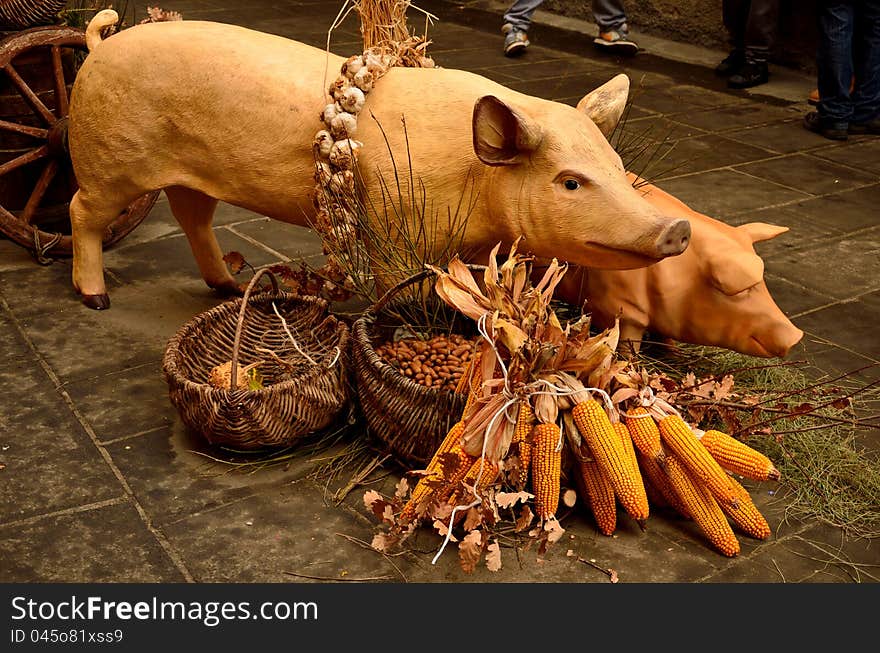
x,y
161,106
713,294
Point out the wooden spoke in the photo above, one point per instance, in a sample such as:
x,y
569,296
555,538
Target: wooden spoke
x,y
30,97
24,159
36,132
36,197
61,100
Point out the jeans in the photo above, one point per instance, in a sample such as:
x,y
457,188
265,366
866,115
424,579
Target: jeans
x,y
849,45
752,26
609,14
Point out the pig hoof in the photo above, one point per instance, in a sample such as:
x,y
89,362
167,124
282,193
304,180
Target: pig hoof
x,y
98,302
228,289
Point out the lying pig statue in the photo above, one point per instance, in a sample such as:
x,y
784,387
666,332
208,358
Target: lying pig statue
x,y
713,294
160,105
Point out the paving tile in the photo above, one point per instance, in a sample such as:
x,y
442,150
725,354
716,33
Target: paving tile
x,y
105,545
862,156
534,70
486,56
663,129
792,298
556,88
707,152
261,537
122,403
676,99
801,234
291,240
845,324
783,138
807,173
50,463
12,345
723,192
855,269
732,117
841,213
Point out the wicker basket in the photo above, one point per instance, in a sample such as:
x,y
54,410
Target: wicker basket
x,y
284,410
409,419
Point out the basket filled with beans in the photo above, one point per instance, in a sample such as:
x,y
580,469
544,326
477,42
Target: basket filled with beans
x,y
407,370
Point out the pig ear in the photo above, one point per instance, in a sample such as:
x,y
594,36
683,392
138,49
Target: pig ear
x,y
502,134
736,272
605,105
759,231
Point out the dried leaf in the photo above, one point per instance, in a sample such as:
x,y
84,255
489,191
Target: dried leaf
x,y
842,404
388,514
510,335
612,575
382,542
526,517
554,530
235,261
371,497
472,520
401,489
493,556
469,551
510,499
442,529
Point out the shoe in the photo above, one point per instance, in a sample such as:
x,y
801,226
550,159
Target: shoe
x,y
731,63
515,40
871,127
750,74
617,41
813,97
835,132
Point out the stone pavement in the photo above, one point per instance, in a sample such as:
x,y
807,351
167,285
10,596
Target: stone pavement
x,y
100,482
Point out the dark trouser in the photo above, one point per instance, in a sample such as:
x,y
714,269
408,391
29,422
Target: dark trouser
x,y
752,26
849,45
608,14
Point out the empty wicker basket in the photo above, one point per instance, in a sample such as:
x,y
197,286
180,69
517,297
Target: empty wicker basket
x,y
293,403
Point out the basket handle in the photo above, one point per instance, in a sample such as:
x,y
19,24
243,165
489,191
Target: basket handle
x,y
418,276
239,326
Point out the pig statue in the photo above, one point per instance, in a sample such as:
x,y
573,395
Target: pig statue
x,y
160,105
712,294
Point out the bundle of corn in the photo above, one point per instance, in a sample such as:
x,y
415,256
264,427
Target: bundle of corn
x,y
387,43
540,393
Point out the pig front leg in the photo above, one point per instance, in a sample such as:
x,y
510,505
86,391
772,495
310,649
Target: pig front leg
x,y
194,212
631,334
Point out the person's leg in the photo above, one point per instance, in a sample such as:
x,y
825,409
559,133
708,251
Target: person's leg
x,y
613,30
734,13
516,24
866,63
834,70
760,34
519,15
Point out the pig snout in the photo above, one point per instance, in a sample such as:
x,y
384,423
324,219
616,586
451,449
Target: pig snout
x,y
779,340
674,239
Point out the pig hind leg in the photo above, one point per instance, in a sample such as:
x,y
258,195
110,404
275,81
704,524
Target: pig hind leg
x,y
194,211
89,217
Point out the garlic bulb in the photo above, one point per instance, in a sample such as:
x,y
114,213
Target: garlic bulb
x,y
364,80
329,113
343,126
352,66
323,143
352,99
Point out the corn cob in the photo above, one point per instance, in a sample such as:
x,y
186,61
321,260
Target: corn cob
x,y
644,432
525,422
655,474
487,471
626,441
680,439
701,505
747,517
475,377
599,494
437,471
464,381
546,469
738,457
603,441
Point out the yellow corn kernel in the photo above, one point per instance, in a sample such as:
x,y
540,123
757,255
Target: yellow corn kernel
x,y
682,441
644,432
546,467
702,507
746,516
738,457
598,493
608,451
474,377
626,441
655,474
438,471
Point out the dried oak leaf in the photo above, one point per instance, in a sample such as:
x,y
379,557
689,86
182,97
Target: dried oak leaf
x,y
469,551
442,529
510,499
554,530
370,497
493,556
382,542
401,489
235,261
472,520
526,516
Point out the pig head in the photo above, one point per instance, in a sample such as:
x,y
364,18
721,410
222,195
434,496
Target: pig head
x,y
236,124
712,294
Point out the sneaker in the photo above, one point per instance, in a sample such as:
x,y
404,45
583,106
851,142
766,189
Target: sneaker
x,y
515,40
616,41
836,132
751,74
731,63
813,97
871,127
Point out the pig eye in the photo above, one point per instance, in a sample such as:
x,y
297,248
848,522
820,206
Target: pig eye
x,y
571,184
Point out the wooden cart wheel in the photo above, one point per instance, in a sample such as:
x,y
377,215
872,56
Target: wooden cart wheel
x,y
36,176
